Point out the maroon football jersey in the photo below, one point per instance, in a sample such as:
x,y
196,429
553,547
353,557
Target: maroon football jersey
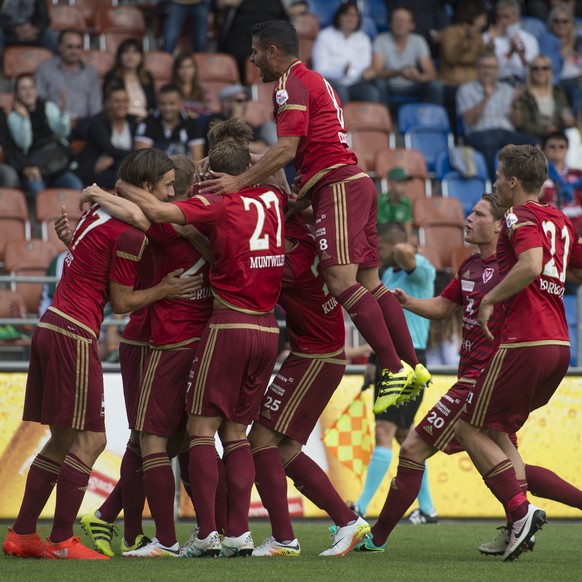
x,y
138,326
537,312
246,231
306,106
475,278
315,323
103,249
177,320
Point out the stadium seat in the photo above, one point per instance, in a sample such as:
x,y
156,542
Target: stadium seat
x,y
103,61
159,64
432,255
214,88
48,207
324,10
257,113
440,211
23,59
263,92
467,190
443,164
68,17
252,73
365,144
369,116
442,238
109,41
377,11
413,115
12,305
413,162
26,259
220,67
89,8
430,141
119,19
14,222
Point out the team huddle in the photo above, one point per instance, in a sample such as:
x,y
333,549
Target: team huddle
x,y
201,276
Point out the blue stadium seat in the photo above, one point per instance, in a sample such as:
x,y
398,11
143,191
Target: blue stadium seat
x,y
430,141
571,309
413,115
443,165
324,10
467,190
377,11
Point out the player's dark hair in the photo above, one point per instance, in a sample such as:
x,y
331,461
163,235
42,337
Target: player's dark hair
x,y
526,163
230,157
185,171
145,165
234,128
279,33
497,211
344,7
392,230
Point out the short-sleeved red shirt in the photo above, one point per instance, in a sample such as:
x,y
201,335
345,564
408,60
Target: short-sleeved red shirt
x,y
246,230
177,320
306,106
537,312
103,249
474,279
315,322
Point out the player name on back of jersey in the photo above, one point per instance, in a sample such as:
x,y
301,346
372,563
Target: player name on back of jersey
x,y
268,261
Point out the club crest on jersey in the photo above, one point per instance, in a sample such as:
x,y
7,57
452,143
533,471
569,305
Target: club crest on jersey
x,y
281,97
510,220
487,274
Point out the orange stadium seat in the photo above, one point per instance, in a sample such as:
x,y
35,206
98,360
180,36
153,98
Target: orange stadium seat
x,y
252,73
413,162
159,64
12,305
23,59
67,17
443,239
103,61
28,258
217,67
365,143
258,113
48,207
128,20
459,254
432,255
14,222
438,210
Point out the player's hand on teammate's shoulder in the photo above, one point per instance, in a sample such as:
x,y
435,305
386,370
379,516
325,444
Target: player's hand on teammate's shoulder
x,y
178,287
63,228
220,184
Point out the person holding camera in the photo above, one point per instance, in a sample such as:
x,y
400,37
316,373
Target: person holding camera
x,y
38,147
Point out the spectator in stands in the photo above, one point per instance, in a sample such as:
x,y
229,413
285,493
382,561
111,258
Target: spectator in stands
x,y
192,12
25,23
109,139
563,188
574,135
563,45
541,108
542,8
342,52
38,131
430,18
233,103
185,76
8,175
402,65
129,69
169,128
238,18
515,48
394,205
66,76
460,45
485,107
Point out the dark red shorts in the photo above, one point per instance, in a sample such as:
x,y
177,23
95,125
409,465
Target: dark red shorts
x,y
346,209
65,379
233,365
516,382
132,359
299,393
162,396
437,428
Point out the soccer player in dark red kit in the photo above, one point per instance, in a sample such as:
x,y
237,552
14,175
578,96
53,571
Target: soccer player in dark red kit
x,y
246,231
65,381
295,400
311,132
436,431
176,328
537,245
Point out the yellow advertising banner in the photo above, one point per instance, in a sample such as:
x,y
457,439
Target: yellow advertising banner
x,y
341,444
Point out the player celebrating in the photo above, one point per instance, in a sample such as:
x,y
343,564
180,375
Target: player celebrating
x,y
536,245
99,267
310,131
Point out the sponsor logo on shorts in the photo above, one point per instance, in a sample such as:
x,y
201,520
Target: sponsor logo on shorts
x,y
265,413
325,256
427,428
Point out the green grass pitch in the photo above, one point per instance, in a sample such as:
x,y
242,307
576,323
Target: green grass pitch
x,y
442,552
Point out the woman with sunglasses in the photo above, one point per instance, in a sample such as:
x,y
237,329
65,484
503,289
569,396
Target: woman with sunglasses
x,y
542,107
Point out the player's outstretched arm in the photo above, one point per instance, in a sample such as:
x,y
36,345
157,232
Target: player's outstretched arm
x,y
124,299
154,209
118,207
432,308
275,159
